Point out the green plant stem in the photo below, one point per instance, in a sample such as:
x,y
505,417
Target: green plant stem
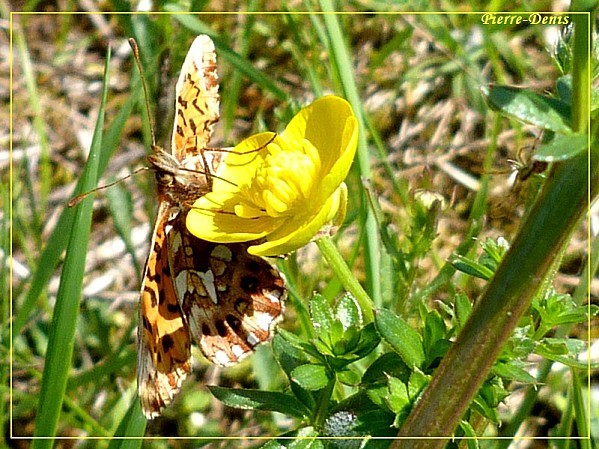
x,y
580,410
580,73
324,400
348,280
581,291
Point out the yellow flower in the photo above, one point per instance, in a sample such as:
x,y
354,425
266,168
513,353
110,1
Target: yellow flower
x,y
281,190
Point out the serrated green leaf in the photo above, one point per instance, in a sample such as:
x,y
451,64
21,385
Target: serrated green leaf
x,y
403,339
529,107
248,399
418,380
561,148
288,355
564,350
311,377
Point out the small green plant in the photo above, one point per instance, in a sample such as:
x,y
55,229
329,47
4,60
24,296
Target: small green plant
x,y
351,381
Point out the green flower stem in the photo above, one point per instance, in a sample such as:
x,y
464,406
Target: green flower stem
x,y
349,282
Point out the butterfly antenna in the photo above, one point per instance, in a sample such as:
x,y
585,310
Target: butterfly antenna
x,y
135,49
76,199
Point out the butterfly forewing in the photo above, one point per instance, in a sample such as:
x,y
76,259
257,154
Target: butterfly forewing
x,y
197,100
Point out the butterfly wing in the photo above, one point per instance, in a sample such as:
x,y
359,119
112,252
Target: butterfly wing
x,y
164,357
231,299
197,100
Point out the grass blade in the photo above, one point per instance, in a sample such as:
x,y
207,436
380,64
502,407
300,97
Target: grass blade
x,y
64,320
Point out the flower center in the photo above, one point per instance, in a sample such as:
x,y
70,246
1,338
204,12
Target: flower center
x,y
281,185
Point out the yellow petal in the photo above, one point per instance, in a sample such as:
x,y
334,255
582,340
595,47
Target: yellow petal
x,y
294,234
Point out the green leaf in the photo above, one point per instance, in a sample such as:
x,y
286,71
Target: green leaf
x,y
469,432
529,107
248,399
509,370
304,438
369,340
418,380
494,250
434,330
348,377
311,377
463,308
488,398
398,398
389,364
289,350
133,424
322,315
564,350
561,148
471,267
403,339
347,311
376,422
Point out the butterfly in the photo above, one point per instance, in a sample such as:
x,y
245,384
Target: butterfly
x,y
223,298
